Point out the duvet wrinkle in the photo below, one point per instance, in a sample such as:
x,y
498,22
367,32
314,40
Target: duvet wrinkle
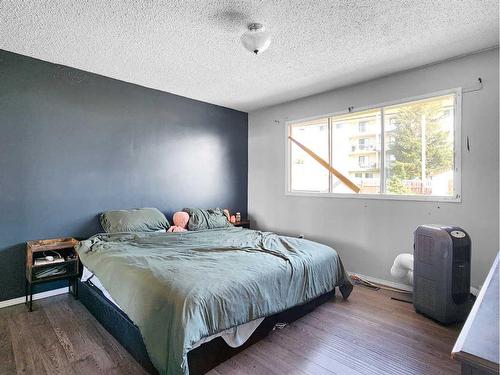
x,y
245,249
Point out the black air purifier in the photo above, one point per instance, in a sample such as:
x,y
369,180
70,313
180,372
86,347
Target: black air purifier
x,y
441,276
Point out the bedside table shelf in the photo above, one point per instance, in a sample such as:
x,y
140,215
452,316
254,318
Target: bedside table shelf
x,y
70,267
242,223
59,248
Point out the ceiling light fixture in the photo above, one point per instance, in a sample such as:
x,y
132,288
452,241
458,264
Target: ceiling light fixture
x,y
256,39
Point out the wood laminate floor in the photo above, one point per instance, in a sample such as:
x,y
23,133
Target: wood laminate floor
x,y
369,334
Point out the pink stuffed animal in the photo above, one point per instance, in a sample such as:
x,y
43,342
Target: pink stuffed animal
x,y
180,220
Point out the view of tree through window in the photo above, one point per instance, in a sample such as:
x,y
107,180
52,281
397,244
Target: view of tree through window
x,y
414,157
419,147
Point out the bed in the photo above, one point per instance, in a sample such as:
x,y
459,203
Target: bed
x,y
178,294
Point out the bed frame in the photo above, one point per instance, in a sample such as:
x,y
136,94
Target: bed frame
x,y
201,359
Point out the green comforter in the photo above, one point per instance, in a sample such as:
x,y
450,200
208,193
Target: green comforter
x,y
180,287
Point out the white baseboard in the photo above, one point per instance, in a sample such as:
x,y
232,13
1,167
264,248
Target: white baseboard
x,y
55,292
392,284
49,293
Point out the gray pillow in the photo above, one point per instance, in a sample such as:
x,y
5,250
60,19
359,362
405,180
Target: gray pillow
x,y
206,219
134,220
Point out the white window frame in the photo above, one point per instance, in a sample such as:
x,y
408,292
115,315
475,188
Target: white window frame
x,y
457,162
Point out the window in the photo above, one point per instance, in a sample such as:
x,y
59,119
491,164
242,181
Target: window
x,y
362,142
408,149
362,126
308,174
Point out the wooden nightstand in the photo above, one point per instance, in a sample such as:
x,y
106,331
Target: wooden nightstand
x,y
242,223
64,266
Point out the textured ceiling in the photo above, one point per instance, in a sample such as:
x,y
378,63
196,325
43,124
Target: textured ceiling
x,y
192,48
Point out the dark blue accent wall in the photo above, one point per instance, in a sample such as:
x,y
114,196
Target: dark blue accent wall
x,y
74,144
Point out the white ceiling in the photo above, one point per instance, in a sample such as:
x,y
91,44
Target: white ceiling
x,y
192,48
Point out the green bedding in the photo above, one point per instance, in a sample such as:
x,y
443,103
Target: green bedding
x,y
180,287
211,218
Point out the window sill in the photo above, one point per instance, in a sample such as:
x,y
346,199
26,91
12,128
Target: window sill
x,y
415,198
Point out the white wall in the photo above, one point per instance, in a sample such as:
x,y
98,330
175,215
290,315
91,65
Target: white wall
x,y
369,234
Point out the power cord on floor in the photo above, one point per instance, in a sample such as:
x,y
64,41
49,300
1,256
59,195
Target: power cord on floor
x,y
374,286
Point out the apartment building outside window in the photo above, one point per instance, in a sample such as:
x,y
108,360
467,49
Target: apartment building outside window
x,y
406,149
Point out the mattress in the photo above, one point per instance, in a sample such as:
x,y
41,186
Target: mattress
x,y
234,337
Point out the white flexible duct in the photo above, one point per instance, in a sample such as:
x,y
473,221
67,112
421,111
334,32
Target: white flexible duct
x,y
403,268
